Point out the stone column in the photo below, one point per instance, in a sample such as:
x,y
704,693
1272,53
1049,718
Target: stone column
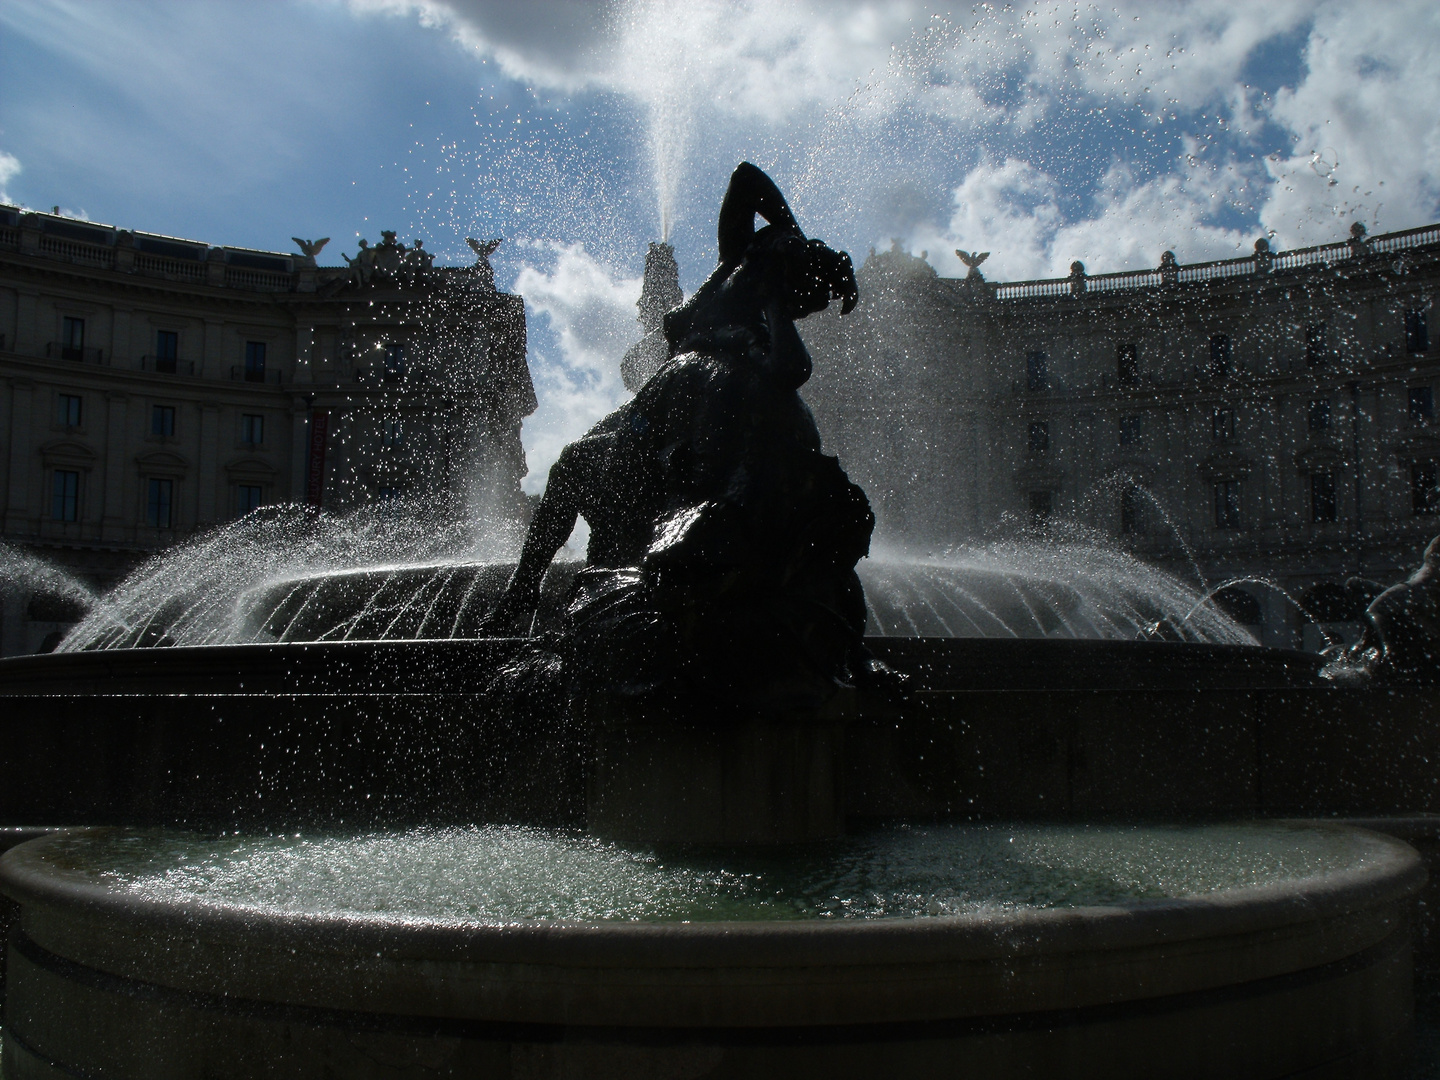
x,y
20,517
118,512
210,485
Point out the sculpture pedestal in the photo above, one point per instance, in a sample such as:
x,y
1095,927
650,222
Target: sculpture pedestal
x,y
658,778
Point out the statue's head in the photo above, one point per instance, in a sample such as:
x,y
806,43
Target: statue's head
x,y
1432,554
814,272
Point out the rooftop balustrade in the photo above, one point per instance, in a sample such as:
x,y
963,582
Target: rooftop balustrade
x,y
1264,261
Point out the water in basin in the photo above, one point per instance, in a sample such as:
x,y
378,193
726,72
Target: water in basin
x,y
507,874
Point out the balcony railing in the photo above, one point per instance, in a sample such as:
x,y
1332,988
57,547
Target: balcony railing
x,y
80,354
167,365
270,376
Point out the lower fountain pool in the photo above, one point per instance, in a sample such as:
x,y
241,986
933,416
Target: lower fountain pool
x,y
1256,950
500,875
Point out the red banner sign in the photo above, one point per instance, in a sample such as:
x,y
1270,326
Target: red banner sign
x,y
315,473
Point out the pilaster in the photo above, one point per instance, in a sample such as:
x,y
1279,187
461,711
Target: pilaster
x,y
299,454
210,485
113,523
304,349
18,516
27,317
212,353
120,343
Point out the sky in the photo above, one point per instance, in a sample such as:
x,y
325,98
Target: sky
x,y
1040,132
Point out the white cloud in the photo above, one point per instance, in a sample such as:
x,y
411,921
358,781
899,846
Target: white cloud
x,y
1013,210
1010,209
590,310
9,169
557,44
1364,117
867,108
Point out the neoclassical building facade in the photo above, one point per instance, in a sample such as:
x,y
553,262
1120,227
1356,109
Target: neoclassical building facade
x,y
1270,417
152,386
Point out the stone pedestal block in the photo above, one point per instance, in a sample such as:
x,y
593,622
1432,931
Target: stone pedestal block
x,y
660,778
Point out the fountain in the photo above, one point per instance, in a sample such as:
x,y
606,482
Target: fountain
x,y
347,832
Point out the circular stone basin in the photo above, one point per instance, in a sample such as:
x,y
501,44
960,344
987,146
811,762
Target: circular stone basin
x,y
1239,950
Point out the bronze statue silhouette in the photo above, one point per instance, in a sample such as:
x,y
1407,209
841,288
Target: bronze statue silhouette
x,y
1401,640
723,542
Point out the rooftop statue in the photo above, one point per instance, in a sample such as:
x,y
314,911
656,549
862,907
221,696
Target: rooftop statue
x,y
723,542
483,249
310,248
973,261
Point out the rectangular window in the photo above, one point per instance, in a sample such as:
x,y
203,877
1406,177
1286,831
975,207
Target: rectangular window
x,y
1132,511
394,361
167,349
1424,496
67,410
1130,431
65,496
1039,441
1317,344
1037,377
254,361
1127,363
1320,414
158,503
1222,425
1322,497
1227,504
72,338
393,433
1041,503
389,494
252,429
162,420
1219,355
1422,404
1417,332
248,497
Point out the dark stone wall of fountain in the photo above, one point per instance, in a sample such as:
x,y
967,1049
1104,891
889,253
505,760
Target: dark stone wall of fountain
x,y
393,732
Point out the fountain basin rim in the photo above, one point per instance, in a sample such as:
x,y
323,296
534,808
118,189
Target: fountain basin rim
x,y
460,664
666,976
1396,872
